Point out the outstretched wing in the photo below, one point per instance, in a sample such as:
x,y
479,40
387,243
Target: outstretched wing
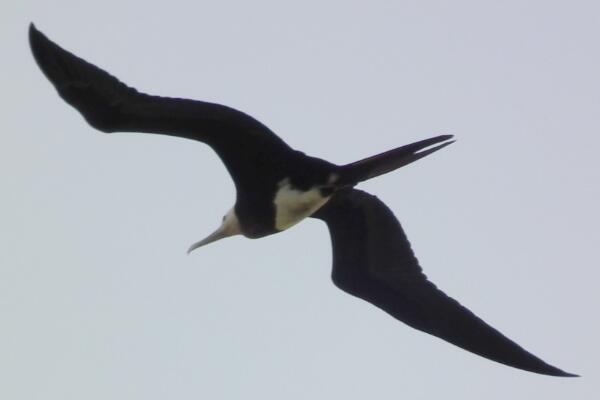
x,y
373,260
242,142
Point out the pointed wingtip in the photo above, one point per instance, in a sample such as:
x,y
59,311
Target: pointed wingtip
x,y
549,370
36,41
33,31
564,374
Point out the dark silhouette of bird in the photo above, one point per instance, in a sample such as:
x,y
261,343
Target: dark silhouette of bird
x,y
278,187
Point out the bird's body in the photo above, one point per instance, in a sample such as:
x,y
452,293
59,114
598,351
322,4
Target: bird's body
x,y
286,194
277,187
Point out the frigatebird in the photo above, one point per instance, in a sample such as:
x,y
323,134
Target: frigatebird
x,y
278,187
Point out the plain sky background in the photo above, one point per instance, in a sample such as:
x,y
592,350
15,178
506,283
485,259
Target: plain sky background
x,y
98,299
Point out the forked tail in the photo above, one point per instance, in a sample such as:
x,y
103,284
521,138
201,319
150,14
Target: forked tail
x,y
390,160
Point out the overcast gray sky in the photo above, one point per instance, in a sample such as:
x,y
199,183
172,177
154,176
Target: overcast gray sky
x,y
98,299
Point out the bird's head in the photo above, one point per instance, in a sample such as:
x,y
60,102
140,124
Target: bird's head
x,y
229,227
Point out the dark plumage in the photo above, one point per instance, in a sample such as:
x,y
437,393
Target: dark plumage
x,y
373,260
278,186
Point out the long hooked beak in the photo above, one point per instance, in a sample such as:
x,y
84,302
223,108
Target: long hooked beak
x,y
213,237
229,227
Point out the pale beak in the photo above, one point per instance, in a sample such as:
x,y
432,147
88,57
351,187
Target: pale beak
x,y
229,227
220,233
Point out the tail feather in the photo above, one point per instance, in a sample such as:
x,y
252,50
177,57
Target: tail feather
x,y
390,160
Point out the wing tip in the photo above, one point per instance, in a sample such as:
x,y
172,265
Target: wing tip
x,y
563,374
35,35
538,366
40,46
547,370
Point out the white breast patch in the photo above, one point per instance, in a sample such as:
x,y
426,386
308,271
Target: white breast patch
x,y
293,205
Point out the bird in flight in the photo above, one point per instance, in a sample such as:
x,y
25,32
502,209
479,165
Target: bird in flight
x,y
277,187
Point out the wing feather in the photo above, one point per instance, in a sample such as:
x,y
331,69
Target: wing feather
x,y
373,260
243,143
